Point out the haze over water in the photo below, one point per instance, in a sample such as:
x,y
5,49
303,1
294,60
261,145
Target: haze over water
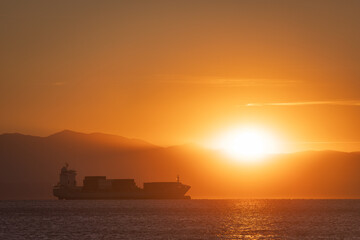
x,y
180,219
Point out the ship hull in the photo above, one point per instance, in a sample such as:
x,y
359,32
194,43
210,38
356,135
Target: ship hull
x,y
77,194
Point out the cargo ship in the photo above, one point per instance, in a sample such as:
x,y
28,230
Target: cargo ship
x,y
99,187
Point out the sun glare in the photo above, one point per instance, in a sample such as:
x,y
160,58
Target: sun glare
x,y
247,144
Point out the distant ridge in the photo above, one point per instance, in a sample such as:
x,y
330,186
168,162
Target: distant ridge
x,y
30,167
101,138
73,137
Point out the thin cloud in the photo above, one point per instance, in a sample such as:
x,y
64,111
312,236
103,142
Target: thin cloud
x,y
59,83
331,142
339,103
229,82
254,82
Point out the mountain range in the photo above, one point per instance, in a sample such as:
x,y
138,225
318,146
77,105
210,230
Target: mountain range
x,y
30,166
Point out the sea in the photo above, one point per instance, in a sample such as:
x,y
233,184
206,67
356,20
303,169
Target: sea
x,y
180,219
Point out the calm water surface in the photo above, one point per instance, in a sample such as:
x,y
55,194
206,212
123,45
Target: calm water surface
x,y
180,219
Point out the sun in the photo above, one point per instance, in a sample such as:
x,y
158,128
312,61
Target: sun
x,y
247,144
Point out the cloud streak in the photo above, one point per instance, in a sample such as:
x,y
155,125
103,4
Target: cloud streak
x,y
58,83
327,142
337,103
228,82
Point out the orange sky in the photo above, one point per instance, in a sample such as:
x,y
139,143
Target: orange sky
x,y
172,72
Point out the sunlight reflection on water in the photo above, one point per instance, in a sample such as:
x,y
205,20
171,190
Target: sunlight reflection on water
x,y
180,219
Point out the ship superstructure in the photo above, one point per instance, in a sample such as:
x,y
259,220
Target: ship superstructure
x,y
99,187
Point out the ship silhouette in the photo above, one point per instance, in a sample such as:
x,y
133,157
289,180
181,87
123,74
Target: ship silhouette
x,y
99,187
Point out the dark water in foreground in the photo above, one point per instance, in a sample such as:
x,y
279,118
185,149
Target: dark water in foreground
x,y
180,219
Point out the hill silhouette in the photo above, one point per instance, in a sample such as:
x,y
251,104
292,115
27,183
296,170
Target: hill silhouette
x,y
30,166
